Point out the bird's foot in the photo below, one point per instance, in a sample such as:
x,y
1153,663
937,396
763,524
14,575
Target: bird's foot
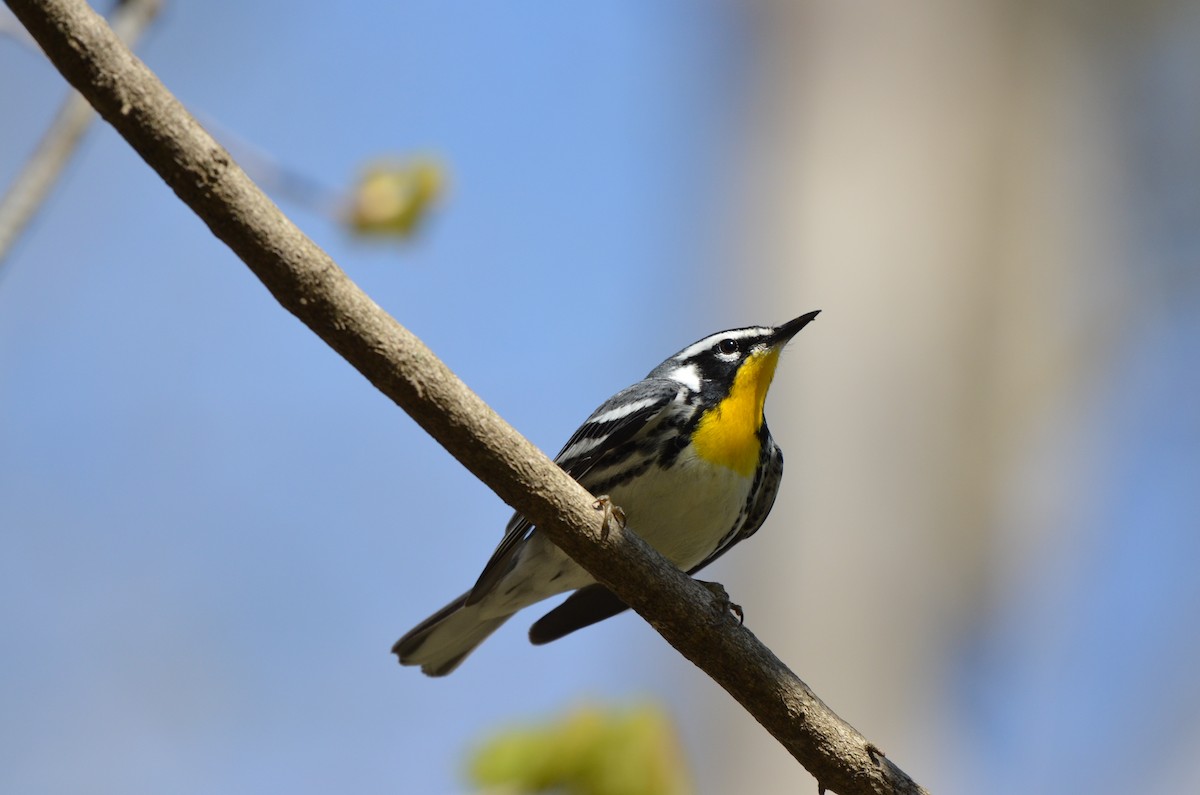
x,y
723,604
614,515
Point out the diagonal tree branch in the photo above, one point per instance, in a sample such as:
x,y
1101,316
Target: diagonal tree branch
x,y
42,170
310,286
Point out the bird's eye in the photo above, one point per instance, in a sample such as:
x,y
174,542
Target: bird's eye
x,y
728,346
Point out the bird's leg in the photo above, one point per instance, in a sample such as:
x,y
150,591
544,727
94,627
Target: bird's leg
x,y
722,600
613,515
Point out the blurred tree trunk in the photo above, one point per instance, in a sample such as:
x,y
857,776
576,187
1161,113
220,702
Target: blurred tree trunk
x,y
925,173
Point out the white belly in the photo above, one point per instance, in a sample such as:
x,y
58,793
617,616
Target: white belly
x,y
683,512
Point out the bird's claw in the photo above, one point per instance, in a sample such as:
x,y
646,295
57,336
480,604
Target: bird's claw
x,y
723,603
614,515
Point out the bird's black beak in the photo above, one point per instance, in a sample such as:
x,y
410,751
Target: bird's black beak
x,y
789,329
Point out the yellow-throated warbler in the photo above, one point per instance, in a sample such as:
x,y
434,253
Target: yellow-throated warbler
x,y
685,452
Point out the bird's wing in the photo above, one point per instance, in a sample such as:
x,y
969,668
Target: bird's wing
x,y
619,420
595,603
622,418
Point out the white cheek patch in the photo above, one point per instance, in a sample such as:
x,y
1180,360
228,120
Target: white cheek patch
x,y
688,375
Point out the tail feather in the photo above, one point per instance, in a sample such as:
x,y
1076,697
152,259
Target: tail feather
x,y
441,642
587,606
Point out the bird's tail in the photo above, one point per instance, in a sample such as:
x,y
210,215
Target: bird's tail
x,y
439,643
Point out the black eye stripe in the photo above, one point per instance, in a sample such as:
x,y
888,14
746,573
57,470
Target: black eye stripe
x,y
727,346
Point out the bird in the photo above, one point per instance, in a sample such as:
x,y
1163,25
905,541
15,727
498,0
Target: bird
x,y
686,455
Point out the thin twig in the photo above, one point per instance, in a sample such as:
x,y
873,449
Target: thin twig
x,y
273,176
35,181
309,285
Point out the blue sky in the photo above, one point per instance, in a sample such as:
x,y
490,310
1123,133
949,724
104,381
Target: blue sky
x,y
213,528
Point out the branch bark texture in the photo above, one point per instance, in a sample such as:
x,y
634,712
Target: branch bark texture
x,y
310,286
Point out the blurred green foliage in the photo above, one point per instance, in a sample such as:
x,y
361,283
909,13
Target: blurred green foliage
x,y
589,751
391,199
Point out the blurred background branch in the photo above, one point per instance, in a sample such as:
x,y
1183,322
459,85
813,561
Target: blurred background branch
x,y
33,184
390,200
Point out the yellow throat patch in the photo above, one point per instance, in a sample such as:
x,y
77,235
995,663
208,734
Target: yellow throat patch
x,y
727,435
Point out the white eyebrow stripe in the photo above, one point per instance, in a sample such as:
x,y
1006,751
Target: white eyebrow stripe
x,y
709,341
688,375
623,410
